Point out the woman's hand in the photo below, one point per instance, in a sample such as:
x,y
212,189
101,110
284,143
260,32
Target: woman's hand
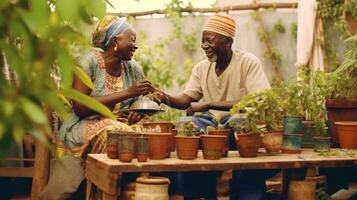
x,y
196,107
134,117
141,87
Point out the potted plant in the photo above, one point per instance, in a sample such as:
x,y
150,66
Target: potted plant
x,y
322,141
250,111
342,103
220,131
291,102
273,138
187,140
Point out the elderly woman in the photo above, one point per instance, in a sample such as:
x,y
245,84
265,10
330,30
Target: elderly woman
x,y
118,80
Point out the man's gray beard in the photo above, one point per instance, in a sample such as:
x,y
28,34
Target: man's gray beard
x,y
213,59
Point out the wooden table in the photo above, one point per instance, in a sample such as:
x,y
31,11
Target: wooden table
x,y
105,173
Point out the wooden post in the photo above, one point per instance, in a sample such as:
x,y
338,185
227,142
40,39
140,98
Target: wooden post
x,y
267,41
42,164
40,176
252,6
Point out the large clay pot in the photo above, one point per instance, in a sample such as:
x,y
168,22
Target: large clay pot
x,y
339,110
224,132
213,146
302,190
347,134
152,187
187,147
248,144
272,142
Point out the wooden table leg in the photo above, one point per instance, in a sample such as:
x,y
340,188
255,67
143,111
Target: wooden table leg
x,y
104,180
89,190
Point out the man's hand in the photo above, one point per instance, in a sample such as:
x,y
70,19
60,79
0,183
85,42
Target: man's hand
x,y
196,107
160,96
134,117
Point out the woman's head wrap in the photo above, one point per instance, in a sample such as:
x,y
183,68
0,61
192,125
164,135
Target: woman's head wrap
x,y
222,24
106,29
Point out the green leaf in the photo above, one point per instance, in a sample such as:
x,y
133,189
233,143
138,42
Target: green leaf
x,y
5,145
84,77
8,108
66,64
97,8
2,131
4,3
68,10
87,101
32,110
18,132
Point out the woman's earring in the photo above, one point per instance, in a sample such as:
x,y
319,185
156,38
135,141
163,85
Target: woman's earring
x,y
116,47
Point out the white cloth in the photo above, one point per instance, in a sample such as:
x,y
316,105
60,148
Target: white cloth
x,y
309,33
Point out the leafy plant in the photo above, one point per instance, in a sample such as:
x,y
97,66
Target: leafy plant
x,y
344,79
39,38
252,112
187,128
321,194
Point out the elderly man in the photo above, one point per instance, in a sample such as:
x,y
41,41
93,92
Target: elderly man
x,y
216,84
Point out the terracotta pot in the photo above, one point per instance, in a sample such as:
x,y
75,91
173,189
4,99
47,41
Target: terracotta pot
x,y
248,144
126,147
272,142
142,157
142,151
112,144
302,190
224,132
158,145
347,134
158,127
339,110
187,147
152,187
126,156
213,146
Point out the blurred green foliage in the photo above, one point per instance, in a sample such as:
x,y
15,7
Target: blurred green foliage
x,y
38,39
